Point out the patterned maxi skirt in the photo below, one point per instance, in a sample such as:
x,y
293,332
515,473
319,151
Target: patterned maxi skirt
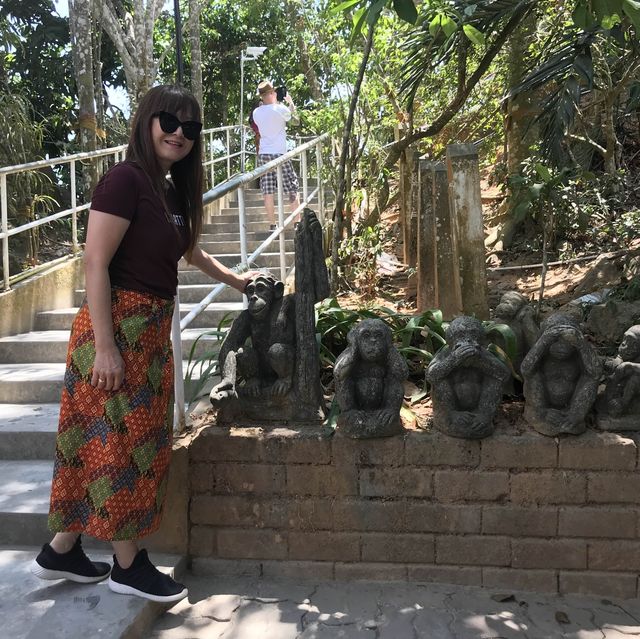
x,y
113,447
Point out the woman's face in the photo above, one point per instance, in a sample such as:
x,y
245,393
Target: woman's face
x,y
170,147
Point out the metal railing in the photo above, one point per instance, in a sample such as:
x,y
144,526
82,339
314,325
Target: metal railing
x,y
219,144
239,184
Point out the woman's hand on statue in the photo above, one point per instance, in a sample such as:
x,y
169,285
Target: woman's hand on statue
x,y
108,369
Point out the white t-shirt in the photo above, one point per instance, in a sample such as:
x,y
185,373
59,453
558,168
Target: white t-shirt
x,y
271,120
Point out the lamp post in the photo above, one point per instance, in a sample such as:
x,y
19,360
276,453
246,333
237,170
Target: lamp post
x,y
251,53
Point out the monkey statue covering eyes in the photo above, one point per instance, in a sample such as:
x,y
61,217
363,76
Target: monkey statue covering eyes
x,y
618,407
269,359
466,381
369,376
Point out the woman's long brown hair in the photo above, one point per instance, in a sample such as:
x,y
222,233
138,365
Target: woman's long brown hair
x,y
187,174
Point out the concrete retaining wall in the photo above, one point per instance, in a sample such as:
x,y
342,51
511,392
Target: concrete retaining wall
x,y
515,510
45,292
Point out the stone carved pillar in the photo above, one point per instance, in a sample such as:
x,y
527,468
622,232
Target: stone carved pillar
x,y
466,209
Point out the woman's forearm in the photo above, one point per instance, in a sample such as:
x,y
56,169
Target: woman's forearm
x,y
98,286
215,269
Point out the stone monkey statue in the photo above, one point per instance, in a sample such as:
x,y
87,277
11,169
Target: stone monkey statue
x,y
266,365
369,376
514,311
466,381
269,358
618,408
561,374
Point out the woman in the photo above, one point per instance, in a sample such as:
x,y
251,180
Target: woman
x,y
115,430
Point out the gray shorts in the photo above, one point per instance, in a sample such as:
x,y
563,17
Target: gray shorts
x,y
269,181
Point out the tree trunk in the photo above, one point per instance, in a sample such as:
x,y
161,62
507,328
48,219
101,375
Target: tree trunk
x,y
297,19
196,52
346,134
80,22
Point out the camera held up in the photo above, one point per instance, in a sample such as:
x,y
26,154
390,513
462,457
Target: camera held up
x,y
281,93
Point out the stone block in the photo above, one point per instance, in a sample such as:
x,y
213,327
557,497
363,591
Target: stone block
x,y
442,518
529,450
369,515
310,514
519,521
324,546
370,572
436,449
201,478
623,556
473,550
298,570
516,579
549,553
236,543
466,485
237,478
287,446
614,523
214,443
614,488
202,566
604,584
384,451
459,575
548,488
322,481
598,451
202,541
395,482
398,548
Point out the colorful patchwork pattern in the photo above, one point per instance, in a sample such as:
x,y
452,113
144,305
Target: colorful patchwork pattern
x,y
113,447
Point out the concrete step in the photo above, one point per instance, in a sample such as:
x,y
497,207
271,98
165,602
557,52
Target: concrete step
x,y
39,383
269,260
36,609
51,346
215,247
232,226
28,431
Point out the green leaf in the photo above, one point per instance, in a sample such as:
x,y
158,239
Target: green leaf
x,y
582,17
448,26
521,210
344,5
473,34
358,20
632,9
543,172
374,10
535,190
406,10
436,25
608,22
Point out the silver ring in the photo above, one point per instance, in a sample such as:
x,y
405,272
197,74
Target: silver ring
x,y
100,380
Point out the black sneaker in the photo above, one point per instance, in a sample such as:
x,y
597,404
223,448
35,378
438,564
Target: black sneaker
x,y
143,579
73,565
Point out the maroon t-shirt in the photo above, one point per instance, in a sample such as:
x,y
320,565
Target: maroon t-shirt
x,y
147,258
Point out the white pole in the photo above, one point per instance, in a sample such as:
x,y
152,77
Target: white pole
x,y
179,418
283,257
74,206
320,185
243,233
305,182
242,111
5,229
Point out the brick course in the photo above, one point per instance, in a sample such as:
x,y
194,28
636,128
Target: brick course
x,y
516,510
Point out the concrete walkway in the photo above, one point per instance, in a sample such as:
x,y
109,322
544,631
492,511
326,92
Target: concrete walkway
x,y
250,608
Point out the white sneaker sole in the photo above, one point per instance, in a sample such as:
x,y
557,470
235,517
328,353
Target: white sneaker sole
x,y
51,575
123,589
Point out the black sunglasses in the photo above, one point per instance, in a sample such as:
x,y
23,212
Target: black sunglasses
x,y
169,123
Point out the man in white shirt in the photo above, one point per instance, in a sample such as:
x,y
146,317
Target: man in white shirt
x,y
271,118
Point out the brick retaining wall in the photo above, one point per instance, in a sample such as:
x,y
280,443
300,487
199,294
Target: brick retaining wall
x,y
515,510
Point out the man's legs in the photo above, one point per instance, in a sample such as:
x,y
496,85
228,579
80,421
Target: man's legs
x,y
269,207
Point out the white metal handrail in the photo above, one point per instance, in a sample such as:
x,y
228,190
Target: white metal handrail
x,y
238,183
211,136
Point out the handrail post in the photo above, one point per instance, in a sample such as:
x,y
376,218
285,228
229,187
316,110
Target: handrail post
x,y
242,220
320,185
213,166
305,178
283,257
179,418
74,206
5,230
228,153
